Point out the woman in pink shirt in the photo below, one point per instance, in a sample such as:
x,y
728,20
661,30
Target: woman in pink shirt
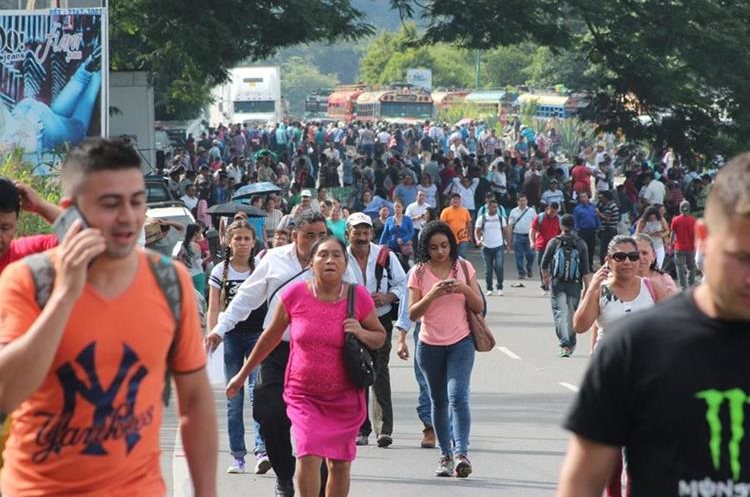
x,y
439,292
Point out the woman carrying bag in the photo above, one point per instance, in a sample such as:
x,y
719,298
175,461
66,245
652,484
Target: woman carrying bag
x,y
440,291
325,407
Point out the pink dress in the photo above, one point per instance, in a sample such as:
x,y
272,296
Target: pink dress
x,y
324,406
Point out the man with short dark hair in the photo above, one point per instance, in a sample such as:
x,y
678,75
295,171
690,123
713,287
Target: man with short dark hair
x,y
544,228
609,214
13,198
459,220
520,220
565,270
670,384
683,238
85,363
587,223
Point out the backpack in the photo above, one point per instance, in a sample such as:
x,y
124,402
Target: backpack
x,y
384,264
566,261
165,273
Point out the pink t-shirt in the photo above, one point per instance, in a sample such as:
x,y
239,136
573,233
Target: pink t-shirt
x,y
445,321
21,247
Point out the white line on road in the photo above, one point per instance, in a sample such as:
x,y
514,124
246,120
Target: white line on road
x,y
508,352
570,387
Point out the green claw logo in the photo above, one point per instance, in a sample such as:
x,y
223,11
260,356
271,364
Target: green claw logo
x,y
714,401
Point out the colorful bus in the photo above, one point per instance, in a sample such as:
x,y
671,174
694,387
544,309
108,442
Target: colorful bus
x,y
447,99
398,105
491,102
342,102
547,105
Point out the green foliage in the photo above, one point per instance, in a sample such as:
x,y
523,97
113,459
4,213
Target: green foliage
x,y
299,78
189,48
685,63
504,66
47,187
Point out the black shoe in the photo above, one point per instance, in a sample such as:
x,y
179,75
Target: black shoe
x,y
384,441
284,488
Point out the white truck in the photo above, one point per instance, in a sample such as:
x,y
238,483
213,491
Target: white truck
x,y
131,115
251,95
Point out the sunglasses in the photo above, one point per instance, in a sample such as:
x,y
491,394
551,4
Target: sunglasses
x,y
621,256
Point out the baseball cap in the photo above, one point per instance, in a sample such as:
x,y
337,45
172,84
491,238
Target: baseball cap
x,y
359,218
305,193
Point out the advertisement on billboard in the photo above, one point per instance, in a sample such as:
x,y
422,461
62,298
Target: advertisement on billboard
x,y
53,79
420,77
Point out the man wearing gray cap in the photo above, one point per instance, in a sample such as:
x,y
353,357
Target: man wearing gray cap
x,y
370,263
683,239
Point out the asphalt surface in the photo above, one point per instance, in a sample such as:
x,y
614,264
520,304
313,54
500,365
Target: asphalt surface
x,y
520,394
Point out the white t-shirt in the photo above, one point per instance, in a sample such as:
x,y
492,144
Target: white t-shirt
x,y
492,229
416,210
430,193
654,193
521,220
190,203
467,194
234,278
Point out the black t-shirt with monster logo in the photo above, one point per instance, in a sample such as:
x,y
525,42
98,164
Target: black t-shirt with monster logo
x,y
673,386
254,322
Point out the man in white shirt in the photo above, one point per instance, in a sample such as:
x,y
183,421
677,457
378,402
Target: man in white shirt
x,y
275,271
653,191
190,199
367,263
520,220
493,235
331,152
417,211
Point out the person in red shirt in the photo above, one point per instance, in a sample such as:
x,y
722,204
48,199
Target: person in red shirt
x,y
683,238
13,198
544,228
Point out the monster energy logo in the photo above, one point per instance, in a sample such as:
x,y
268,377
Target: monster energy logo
x,y
736,399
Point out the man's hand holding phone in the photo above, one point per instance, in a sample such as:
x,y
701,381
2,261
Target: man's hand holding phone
x,y
79,248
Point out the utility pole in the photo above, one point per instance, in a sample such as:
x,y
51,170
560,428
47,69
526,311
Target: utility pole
x,y
476,73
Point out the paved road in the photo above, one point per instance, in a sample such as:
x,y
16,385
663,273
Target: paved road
x,y
520,394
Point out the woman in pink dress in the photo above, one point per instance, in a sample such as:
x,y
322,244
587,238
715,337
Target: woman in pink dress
x,y
326,409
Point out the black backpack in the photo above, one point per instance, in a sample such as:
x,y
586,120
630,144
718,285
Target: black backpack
x,y
566,261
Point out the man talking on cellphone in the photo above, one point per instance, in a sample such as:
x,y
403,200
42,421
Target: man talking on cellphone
x,y
81,373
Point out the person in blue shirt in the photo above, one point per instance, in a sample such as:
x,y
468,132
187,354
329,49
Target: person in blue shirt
x,y
398,233
406,190
587,223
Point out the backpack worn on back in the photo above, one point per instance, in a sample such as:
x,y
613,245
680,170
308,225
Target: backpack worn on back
x,y
566,261
165,273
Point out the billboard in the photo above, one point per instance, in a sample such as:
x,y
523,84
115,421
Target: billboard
x,y
53,79
420,77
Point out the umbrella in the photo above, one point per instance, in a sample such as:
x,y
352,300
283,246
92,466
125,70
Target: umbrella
x,y
254,189
230,209
378,202
263,152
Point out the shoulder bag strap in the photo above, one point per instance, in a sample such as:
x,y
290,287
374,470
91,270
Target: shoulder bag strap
x,y
350,301
285,284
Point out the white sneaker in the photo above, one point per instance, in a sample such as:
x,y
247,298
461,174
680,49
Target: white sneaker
x,y
500,293
237,467
489,293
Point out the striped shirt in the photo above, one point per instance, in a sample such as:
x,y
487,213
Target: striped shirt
x,y
611,215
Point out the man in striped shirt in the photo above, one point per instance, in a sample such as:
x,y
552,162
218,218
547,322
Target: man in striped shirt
x,y
609,213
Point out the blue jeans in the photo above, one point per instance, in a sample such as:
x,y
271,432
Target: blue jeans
x,y
494,258
448,373
424,404
237,346
565,298
524,254
463,249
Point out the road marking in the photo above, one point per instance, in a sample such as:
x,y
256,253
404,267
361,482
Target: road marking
x,y
508,352
570,387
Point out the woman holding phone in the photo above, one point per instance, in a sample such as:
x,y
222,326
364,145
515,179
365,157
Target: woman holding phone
x,y
441,286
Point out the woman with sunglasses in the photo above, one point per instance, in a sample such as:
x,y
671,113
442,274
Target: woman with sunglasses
x,y
616,291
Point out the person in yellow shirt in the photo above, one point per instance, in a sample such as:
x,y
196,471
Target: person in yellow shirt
x,y
459,220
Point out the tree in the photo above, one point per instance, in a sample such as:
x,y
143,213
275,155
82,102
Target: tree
x,y
504,66
390,54
669,58
298,79
190,46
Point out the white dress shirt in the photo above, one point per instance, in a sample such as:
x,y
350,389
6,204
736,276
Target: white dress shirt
x,y
394,283
273,270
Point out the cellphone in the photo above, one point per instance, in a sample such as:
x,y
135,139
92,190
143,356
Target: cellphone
x,y
65,221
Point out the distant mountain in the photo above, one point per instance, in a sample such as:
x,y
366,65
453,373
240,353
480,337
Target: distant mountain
x,y
380,14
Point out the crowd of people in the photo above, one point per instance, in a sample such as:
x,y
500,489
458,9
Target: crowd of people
x,y
392,212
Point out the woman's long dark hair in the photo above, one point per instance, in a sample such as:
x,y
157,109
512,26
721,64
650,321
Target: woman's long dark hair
x,y
190,232
430,229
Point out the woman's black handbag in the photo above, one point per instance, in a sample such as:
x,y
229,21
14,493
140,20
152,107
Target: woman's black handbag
x,y
357,357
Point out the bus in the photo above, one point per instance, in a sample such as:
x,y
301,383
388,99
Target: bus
x,y
316,104
405,105
342,101
547,105
447,99
491,102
